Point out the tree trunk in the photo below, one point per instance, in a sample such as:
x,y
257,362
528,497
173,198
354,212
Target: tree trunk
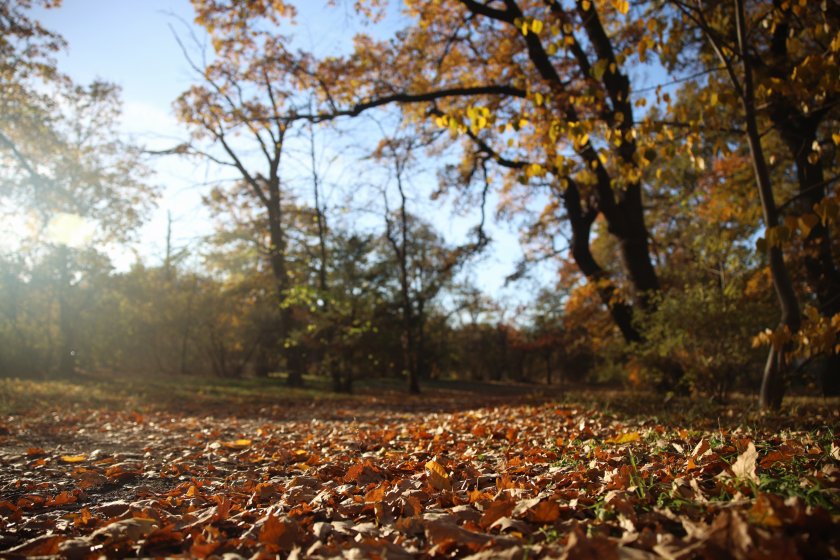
x,y
799,134
772,384
548,366
581,222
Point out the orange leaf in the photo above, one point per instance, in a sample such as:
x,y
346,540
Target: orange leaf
x,y
62,499
547,511
477,496
377,494
272,530
73,458
83,518
282,534
363,473
437,476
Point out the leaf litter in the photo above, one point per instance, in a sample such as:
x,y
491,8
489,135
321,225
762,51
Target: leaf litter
x,y
350,480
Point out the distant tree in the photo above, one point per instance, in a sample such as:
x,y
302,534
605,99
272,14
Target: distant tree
x,y
64,167
424,264
246,99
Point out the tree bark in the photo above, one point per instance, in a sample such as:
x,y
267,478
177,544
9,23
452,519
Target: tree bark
x,y
799,134
581,222
772,384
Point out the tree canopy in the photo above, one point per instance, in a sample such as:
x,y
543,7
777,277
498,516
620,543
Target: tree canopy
x,y
671,167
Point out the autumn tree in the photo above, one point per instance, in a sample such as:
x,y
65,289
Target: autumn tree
x,y
247,98
549,99
548,78
423,265
771,60
65,166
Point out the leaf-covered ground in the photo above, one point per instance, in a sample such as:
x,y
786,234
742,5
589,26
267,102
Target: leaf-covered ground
x,y
91,471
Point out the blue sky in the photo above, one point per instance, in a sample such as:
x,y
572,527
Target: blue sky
x,y
131,43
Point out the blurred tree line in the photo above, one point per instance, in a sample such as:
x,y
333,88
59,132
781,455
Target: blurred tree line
x,y
693,225
172,319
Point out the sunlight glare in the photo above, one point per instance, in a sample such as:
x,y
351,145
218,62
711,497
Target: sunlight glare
x,y
71,230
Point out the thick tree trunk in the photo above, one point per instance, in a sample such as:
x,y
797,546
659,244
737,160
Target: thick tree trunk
x,y
294,357
622,207
581,222
772,384
799,133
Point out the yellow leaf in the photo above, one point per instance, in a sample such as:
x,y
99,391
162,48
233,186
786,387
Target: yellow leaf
x,y
599,68
536,26
836,137
73,458
625,438
437,476
238,444
585,5
623,6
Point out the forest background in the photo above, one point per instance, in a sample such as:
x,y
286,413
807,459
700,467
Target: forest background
x,y
670,171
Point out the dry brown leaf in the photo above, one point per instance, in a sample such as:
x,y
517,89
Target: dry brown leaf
x,y
124,530
500,508
547,511
579,547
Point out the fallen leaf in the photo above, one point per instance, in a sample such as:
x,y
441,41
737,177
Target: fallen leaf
x,y
62,498
701,448
498,509
124,530
547,511
45,545
438,477
579,547
238,444
73,458
624,438
744,466
363,473
281,533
